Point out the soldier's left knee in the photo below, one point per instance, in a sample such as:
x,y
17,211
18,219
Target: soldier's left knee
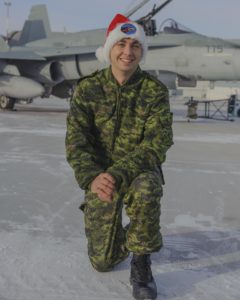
x,y
148,182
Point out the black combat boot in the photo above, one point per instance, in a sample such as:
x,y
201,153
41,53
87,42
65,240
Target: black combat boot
x,y
141,279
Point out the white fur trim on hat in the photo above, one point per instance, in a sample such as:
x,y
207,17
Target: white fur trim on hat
x,y
102,53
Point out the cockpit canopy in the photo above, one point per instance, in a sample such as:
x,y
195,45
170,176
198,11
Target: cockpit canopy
x,y
170,26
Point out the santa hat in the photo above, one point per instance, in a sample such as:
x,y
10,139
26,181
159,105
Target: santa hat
x,y
120,28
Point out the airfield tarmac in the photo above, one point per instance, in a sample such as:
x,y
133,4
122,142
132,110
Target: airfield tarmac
x,y
43,247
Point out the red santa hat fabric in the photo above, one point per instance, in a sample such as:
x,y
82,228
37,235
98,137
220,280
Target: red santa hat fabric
x,y
120,28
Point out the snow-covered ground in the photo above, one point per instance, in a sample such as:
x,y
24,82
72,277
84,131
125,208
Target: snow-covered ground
x,y
42,242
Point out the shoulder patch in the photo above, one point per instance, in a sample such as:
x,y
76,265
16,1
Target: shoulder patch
x,y
153,81
88,76
85,80
154,78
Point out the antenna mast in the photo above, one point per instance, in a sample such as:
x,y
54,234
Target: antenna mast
x,y
7,3
135,8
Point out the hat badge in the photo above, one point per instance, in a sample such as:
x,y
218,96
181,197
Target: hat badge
x,y
128,28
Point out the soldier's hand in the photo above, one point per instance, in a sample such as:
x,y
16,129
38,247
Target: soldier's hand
x,y
104,186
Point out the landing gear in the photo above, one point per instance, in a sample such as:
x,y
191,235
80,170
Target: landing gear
x,y
7,103
25,101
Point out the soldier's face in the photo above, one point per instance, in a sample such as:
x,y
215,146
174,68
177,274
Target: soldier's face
x,y
125,55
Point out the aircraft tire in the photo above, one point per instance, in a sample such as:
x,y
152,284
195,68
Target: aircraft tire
x,y
7,103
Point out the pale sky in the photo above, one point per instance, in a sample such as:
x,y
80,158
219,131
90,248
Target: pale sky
x,y
218,18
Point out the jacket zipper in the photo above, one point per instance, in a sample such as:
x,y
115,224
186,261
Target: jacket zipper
x,y
117,122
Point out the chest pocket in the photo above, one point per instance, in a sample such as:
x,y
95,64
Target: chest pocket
x,y
136,118
104,120
104,114
131,131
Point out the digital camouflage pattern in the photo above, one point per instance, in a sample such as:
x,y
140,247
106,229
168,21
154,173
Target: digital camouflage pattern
x,y
126,131
108,242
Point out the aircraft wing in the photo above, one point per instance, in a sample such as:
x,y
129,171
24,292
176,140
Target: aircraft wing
x,y
21,55
44,53
65,51
161,46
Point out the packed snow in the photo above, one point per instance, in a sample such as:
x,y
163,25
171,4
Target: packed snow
x,y
43,250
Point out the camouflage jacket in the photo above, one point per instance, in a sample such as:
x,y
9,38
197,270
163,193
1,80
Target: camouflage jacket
x,y
120,129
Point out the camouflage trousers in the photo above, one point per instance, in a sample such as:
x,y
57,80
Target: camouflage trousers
x,y
108,241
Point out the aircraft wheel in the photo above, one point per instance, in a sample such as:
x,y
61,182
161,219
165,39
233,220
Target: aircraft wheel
x,y
7,102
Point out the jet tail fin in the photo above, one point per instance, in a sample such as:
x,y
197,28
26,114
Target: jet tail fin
x,y
37,25
3,45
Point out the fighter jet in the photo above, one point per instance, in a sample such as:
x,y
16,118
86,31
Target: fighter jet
x,y
38,62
